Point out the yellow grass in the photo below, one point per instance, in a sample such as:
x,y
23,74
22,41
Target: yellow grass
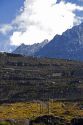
x,y
31,110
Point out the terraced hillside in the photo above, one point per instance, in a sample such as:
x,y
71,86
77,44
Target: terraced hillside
x,y
27,78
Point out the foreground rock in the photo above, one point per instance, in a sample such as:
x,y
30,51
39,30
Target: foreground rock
x,y
77,121
43,120
48,120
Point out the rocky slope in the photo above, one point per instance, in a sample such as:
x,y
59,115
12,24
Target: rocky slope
x,y
69,45
29,50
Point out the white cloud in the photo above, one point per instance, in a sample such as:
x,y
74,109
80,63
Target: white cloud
x,y
43,19
4,29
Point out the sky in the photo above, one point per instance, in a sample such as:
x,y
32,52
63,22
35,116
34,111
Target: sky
x,y
33,21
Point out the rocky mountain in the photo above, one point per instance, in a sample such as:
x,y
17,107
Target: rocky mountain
x,y
69,45
30,50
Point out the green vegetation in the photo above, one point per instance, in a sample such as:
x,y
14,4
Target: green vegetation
x,y
4,123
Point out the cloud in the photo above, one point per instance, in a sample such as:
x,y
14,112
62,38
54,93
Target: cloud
x,y
43,19
4,29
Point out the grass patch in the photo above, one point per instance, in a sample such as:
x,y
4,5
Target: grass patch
x,y
31,110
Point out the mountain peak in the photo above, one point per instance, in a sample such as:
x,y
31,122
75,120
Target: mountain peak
x,y
30,50
22,44
69,45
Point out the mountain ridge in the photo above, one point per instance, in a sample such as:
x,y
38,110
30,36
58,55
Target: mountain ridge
x,y
29,50
69,45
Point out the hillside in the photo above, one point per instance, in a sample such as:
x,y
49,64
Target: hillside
x,y
28,78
